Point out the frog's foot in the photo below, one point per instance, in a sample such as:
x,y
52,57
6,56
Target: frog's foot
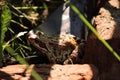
x,y
76,55
68,61
73,58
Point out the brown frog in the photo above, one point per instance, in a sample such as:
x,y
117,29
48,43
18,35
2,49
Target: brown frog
x,y
61,48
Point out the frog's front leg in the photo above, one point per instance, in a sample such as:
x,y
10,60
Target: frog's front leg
x,y
76,55
73,57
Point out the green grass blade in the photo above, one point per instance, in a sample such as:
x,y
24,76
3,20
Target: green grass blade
x,y
94,31
13,38
5,18
5,21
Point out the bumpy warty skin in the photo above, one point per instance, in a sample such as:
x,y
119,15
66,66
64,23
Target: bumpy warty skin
x,y
57,48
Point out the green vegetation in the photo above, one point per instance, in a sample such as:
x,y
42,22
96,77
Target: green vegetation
x,y
14,25
5,22
11,43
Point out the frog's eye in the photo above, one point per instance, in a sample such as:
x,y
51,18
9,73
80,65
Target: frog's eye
x,y
31,34
39,33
